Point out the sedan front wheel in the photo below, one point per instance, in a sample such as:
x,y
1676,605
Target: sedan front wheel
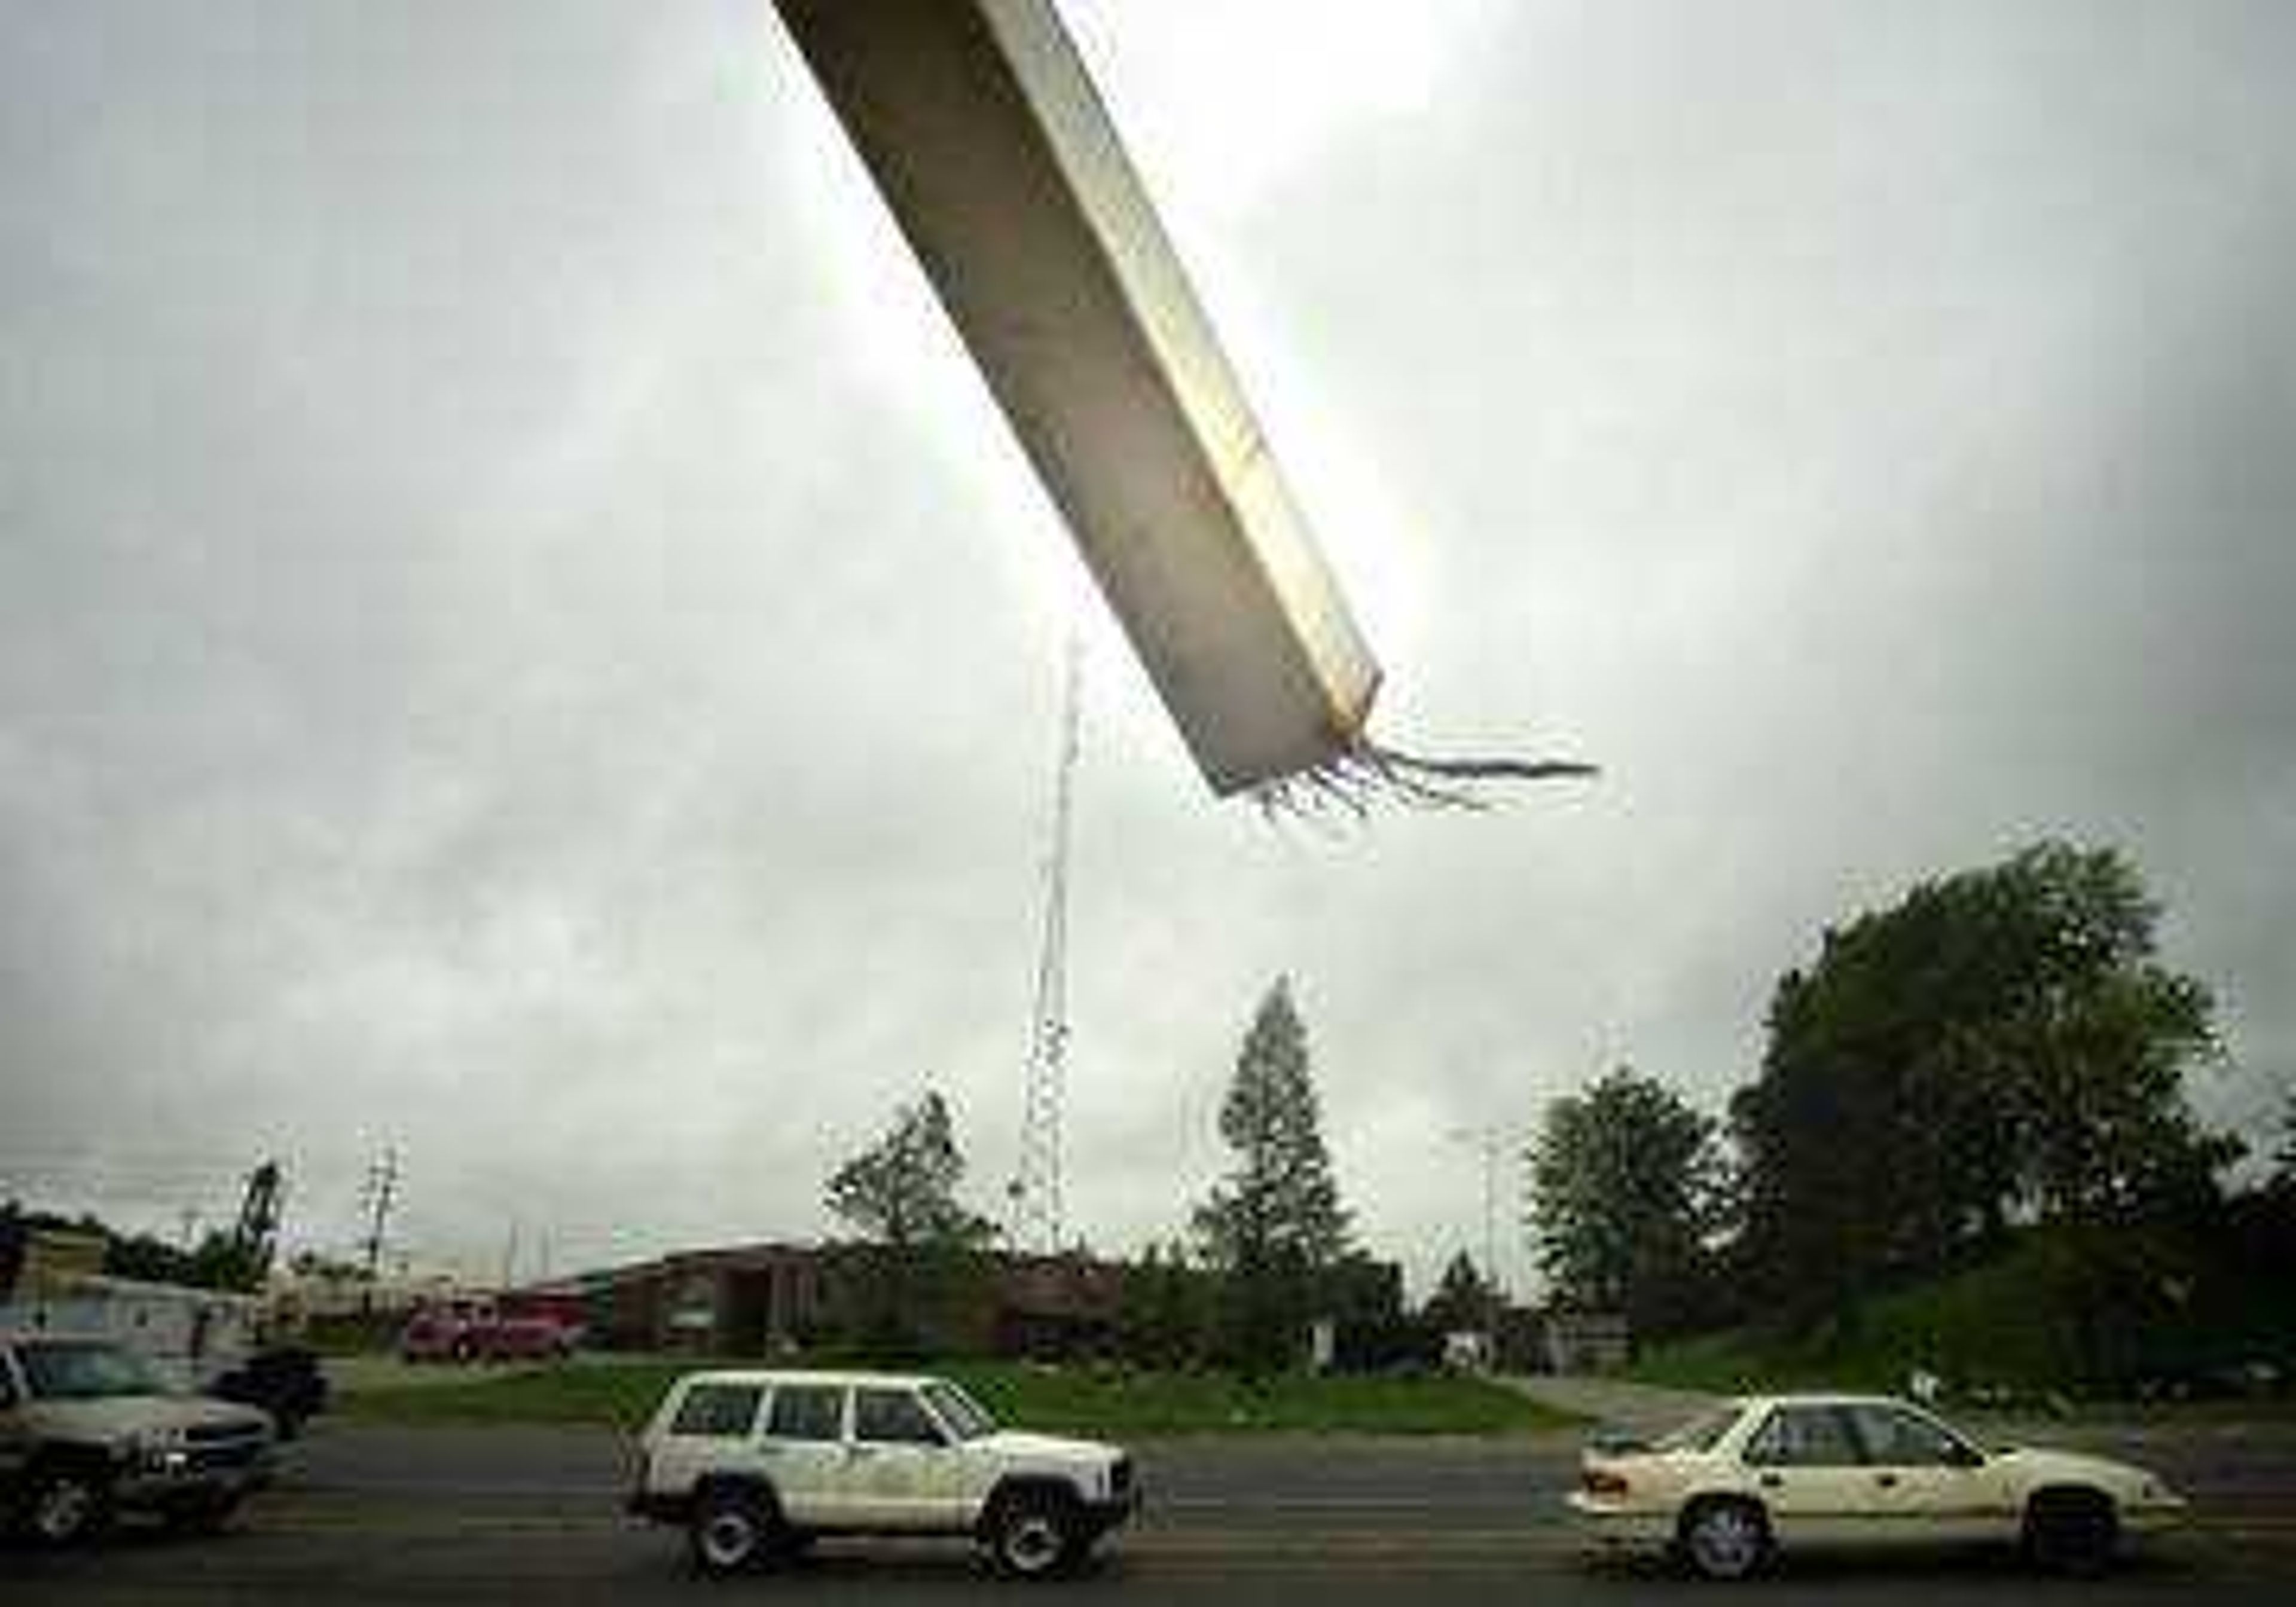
x,y
2071,1531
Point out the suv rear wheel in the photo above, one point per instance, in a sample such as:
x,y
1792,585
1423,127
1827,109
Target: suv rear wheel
x,y
733,1531
1034,1535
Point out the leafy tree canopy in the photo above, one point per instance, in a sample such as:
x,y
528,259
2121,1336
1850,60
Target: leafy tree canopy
x,y
901,1192
1999,1046
1627,1182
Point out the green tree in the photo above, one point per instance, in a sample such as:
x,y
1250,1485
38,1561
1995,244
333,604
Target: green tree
x,y
1165,1315
1628,1184
1463,1299
900,1194
1274,1225
2000,1046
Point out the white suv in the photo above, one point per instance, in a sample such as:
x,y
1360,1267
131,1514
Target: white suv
x,y
755,1465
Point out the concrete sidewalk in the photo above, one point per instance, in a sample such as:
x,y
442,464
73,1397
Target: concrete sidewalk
x,y
1646,1408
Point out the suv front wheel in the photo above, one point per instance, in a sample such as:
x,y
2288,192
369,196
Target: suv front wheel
x,y
1034,1535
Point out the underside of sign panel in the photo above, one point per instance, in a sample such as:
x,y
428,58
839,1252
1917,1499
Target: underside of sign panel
x,y
981,129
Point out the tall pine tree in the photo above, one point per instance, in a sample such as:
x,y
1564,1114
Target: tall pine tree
x,y
1274,1226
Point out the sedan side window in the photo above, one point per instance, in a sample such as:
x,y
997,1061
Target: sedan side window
x,y
1899,1438
1803,1437
892,1416
806,1411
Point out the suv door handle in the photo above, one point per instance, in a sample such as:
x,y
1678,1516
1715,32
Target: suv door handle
x,y
1888,1481
1771,1481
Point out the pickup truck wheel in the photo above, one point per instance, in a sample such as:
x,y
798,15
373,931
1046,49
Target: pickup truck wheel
x,y
65,1505
1034,1535
2071,1531
733,1531
1723,1538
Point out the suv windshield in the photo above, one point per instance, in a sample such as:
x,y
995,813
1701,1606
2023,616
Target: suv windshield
x,y
86,1372
963,1417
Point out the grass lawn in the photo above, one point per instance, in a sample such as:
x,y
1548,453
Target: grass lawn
x,y
622,1392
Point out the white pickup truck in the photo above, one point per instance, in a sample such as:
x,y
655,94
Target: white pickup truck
x,y
755,1465
88,1429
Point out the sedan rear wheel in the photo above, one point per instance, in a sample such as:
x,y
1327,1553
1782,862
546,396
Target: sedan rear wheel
x,y
1724,1539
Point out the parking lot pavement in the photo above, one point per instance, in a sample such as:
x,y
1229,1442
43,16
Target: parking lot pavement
x,y
369,1515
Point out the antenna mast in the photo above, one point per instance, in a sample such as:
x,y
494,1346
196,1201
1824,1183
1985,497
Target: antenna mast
x,y
1036,1187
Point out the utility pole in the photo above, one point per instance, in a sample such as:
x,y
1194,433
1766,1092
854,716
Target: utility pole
x,y
379,1195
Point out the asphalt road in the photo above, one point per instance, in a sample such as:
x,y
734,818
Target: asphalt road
x,y
365,1515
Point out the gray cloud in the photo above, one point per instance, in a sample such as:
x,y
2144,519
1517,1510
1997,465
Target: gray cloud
x,y
520,635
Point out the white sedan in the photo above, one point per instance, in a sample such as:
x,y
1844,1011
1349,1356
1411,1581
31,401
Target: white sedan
x,y
1766,1473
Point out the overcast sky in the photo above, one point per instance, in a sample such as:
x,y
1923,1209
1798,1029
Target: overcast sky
x,y
523,638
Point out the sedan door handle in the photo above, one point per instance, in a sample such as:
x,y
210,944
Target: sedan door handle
x,y
1888,1481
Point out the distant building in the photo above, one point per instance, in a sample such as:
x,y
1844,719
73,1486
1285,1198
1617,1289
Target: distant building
x,y
34,1260
776,1298
1588,1341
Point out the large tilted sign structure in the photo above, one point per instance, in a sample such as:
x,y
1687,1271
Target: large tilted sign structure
x,y
981,129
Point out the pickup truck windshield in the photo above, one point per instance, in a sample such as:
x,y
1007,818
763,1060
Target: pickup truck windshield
x,y
86,1372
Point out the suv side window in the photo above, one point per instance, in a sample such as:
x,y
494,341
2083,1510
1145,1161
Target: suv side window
x,y
806,1412
1803,1437
892,1416
717,1411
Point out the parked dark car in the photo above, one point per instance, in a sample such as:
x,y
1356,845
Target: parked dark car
x,y
285,1380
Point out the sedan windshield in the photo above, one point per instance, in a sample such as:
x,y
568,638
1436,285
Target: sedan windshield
x,y
87,1372
964,1416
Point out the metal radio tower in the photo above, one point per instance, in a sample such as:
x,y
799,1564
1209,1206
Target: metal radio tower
x,y
1036,1186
